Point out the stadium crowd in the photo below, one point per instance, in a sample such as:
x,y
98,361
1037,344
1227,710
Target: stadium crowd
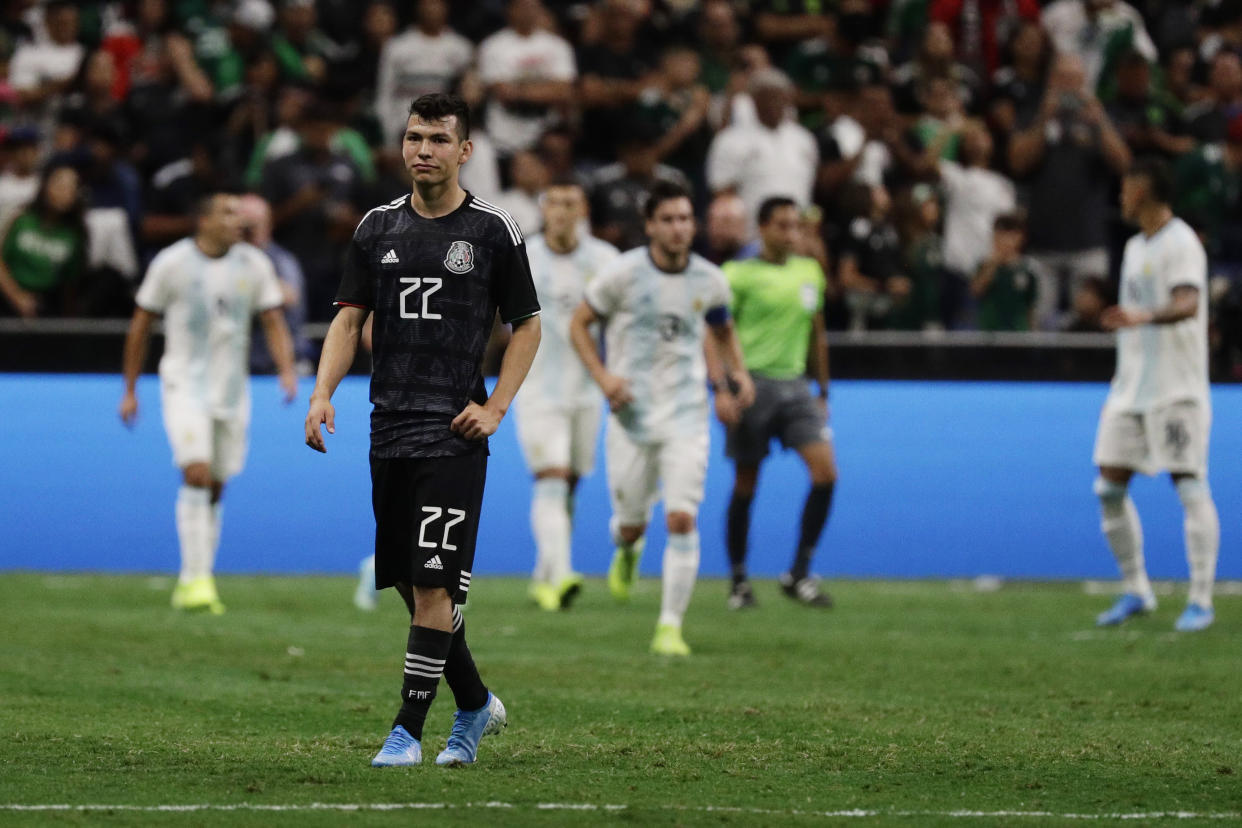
x,y
957,161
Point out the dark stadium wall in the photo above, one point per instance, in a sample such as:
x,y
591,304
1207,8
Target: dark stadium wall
x,y
937,480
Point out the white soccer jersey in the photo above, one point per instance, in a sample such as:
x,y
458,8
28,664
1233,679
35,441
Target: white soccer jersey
x,y
557,377
654,338
1161,364
207,306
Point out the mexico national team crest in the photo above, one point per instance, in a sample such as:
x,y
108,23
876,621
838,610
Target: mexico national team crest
x,y
460,257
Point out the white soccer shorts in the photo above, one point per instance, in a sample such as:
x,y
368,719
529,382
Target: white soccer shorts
x,y
638,472
558,438
197,437
1172,438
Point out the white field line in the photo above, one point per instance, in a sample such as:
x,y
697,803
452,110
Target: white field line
x,y
593,807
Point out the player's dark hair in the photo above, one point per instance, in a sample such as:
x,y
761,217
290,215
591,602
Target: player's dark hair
x,y
661,192
437,106
1159,179
566,180
771,205
205,202
1011,222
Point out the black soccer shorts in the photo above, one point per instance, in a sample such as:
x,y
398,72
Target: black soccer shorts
x,y
784,409
427,520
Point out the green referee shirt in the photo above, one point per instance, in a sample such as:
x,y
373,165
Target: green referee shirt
x,y
774,307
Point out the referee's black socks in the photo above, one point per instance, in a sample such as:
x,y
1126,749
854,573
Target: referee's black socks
x,y
814,516
459,671
425,656
736,533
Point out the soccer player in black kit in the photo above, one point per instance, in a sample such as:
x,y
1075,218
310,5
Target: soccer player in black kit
x,y
433,268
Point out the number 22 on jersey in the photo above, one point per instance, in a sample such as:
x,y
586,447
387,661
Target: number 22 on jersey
x,y
430,285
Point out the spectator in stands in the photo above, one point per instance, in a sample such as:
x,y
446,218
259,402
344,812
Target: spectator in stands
x,y
1178,65
779,24
150,52
173,193
612,74
675,106
774,157
316,198
1208,120
1207,186
857,145
1090,300
1148,125
19,180
719,38
870,259
1098,32
43,252
303,52
529,75
618,191
256,217
1006,283
41,71
982,28
725,231
528,178
935,61
353,73
941,121
919,307
428,57
1071,156
1018,85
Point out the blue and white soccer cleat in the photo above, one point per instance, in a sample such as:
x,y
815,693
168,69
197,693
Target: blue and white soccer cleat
x,y
366,598
1194,618
1127,606
400,750
469,726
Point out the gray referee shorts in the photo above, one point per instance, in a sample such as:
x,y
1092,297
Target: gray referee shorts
x,y
784,409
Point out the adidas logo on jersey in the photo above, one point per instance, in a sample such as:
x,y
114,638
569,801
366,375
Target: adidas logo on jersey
x,y
434,563
390,258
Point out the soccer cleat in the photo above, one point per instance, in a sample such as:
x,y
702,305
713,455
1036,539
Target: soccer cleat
x,y
668,641
741,596
197,594
1127,606
400,750
1194,618
366,597
623,572
567,590
545,595
805,591
469,726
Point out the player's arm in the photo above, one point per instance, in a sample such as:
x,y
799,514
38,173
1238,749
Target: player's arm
x,y
1183,304
339,348
134,356
727,345
280,346
616,389
819,355
478,421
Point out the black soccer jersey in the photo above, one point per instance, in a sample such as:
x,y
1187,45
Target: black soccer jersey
x,y
433,286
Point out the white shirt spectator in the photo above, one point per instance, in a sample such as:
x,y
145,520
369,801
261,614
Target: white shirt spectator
x,y
37,63
1073,32
412,64
851,139
974,197
481,174
508,57
760,163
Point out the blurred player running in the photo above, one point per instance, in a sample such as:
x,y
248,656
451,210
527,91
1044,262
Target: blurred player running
x,y
558,409
778,301
657,302
1158,412
207,288
432,268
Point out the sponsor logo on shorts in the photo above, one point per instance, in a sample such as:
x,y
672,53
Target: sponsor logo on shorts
x,y
434,563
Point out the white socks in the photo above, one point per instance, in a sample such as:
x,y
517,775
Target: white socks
x,y
681,567
549,521
1202,527
1119,521
197,531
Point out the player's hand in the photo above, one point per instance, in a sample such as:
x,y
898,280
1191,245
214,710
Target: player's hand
x,y
744,389
476,422
289,385
321,413
129,409
727,409
616,391
1118,317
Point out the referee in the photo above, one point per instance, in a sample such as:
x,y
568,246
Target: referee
x,y
778,304
433,269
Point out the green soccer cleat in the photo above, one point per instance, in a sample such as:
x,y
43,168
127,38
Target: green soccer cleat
x,y
668,641
623,572
198,594
545,596
567,590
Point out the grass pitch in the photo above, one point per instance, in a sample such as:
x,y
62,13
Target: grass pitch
x,y
914,702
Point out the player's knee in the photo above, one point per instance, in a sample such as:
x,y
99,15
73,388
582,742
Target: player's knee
x,y
197,475
1192,490
680,523
745,481
823,474
552,474
1110,492
630,534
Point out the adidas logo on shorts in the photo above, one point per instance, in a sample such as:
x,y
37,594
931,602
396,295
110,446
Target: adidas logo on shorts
x,y
390,257
434,563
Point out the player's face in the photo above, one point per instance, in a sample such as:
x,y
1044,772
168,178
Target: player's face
x,y
563,208
780,234
671,226
433,151
223,222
